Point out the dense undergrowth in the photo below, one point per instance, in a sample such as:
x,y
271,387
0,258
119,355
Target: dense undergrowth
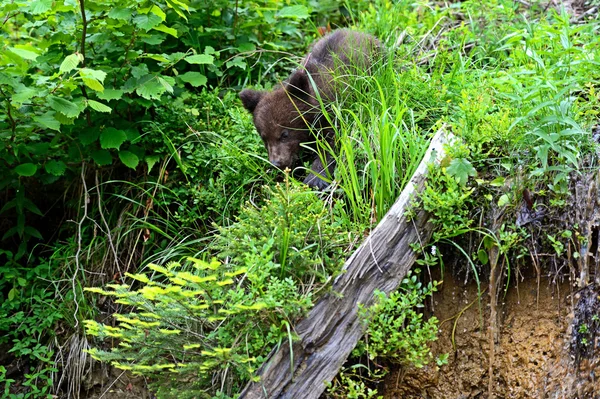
x,y
129,169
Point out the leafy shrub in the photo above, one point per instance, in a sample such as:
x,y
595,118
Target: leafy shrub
x,y
304,239
196,323
396,330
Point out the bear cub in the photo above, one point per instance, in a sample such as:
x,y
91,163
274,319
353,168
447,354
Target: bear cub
x,y
290,115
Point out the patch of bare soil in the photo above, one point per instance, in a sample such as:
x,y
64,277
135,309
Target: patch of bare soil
x,y
531,348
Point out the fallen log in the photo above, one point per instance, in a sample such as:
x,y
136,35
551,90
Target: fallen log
x,y
332,328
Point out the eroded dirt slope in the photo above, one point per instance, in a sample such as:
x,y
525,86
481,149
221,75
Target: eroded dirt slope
x,y
530,355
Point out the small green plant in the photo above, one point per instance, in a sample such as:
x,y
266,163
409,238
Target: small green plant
x,y
396,330
350,385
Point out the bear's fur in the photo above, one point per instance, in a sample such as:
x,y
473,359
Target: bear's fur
x,y
291,115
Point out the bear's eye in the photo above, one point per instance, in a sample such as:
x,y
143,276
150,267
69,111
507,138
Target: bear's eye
x,y
284,134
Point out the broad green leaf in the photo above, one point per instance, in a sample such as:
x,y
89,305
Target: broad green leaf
x,y
70,62
112,138
245,47
93,73
166,29
200,59
69,109
40,6
498,182
102,157
158,57
13,293
132,135
129,159
110,94
25,54
482,255
151,89
40,148
123,14
48,120
63,119
298,11
504,199
93,84
165,81
151,161
461,169
26,169
194,78
158,12
89,135
95,105
56,168
7,80
147,21
23,94
237,62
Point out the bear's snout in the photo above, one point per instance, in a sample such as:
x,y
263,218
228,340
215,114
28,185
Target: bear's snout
x,y
276,163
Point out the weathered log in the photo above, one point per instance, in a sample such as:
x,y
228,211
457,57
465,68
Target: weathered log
x,y
332,328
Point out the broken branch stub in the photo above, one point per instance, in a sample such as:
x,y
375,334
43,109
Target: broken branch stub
x,y
332,328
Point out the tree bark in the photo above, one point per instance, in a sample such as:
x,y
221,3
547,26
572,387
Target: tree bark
x,y
332,328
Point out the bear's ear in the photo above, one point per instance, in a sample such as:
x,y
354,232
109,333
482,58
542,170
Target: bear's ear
x,y
299,83
251,98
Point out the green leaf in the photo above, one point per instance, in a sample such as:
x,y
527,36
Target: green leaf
x,y
123,14
159,12
110,94
498,182
200,59
151,161
56,168
93,74
132,135
151,89
461,169
32,232
93,84
25,54
95,105
48,120
26,169
70,62
194,78
167,30
129,159
88,136
147,21
504,199
102,157
12,294
69,109
298,11
482,255
112,138
23,94
40,6
237,62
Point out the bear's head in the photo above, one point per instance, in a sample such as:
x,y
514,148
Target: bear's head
x,y
283,117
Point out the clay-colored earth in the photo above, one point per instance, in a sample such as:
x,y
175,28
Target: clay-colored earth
x,y
531,351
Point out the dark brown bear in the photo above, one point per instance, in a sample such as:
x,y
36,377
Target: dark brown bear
x,y
291,114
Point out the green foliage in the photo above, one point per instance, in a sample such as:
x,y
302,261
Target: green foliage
x,y
196,323
301,236
396,330
352,386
